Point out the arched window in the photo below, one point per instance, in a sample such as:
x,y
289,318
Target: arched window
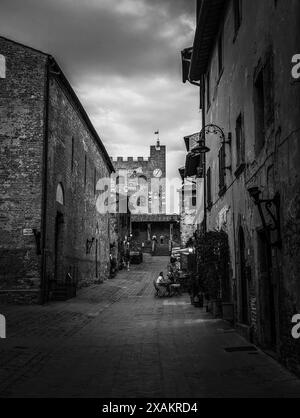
x,y
60,198
141,201
2,66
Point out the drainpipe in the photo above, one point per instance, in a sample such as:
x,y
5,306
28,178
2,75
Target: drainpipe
x,y
43,295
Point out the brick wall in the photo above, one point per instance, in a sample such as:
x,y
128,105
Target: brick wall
x,y
76,235
21,149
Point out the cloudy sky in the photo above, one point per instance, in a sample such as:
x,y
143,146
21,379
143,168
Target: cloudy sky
x,y
122,58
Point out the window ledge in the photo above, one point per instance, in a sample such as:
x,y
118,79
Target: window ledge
x,y
240,170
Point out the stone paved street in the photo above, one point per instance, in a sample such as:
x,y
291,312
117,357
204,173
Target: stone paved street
x,y
117,340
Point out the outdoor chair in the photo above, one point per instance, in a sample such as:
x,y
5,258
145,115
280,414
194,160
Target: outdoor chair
x,y
161,291
176,289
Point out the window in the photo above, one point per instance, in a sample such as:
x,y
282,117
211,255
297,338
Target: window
x,y
208,89
269,90
259,105
2,66
222,170
208,188
237,11
240,142
221,52
263,102
194,199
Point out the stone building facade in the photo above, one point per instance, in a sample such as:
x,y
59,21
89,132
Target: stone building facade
x,y
188,209
241,59
191,206
51,159
134,173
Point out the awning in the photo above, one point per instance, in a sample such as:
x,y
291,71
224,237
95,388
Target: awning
x,y
209,20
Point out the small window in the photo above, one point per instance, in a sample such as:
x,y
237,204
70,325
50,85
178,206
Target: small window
x,y
60,194
263,101
208,186
240,141
2,66
222,170
259,106
237,11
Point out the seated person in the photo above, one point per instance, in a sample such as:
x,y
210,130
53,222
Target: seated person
x,y
161,281
170,277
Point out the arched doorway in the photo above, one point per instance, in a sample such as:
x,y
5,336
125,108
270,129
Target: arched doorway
x,y
59,235
244,300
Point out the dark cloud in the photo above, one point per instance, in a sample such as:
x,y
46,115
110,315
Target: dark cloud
x,y
102,36
123,60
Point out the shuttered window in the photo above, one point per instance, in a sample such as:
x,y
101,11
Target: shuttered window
x,y
222,170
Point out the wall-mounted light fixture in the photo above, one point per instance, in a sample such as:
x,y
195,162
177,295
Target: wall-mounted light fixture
x,y
212,129
272,208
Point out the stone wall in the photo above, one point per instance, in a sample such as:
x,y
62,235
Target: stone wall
x,y
76,163
269,32
76,235
145,166
21,149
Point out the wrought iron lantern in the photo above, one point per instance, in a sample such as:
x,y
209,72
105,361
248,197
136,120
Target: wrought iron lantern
x,y
272,208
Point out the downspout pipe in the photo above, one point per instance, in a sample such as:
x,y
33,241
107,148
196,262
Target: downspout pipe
x,y
43,295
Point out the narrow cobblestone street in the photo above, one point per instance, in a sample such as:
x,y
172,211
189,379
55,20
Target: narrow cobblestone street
x,y
118,340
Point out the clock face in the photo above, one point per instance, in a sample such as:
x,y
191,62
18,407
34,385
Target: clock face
x,y
157,172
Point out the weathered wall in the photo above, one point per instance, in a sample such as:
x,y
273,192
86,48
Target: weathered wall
x,y
266,26
21,149
76,162
119,230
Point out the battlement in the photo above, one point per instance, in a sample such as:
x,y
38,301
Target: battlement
x,y
129,159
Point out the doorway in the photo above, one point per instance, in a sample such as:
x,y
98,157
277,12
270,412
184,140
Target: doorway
x,y
243,279
59,245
